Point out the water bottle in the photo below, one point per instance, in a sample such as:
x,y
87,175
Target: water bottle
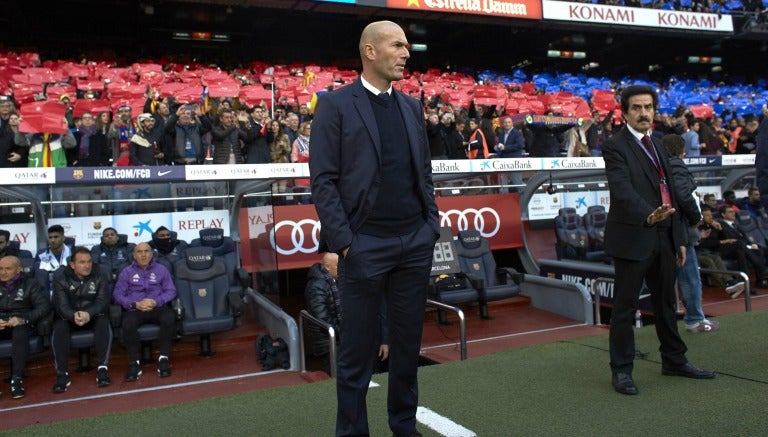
x,y
638,319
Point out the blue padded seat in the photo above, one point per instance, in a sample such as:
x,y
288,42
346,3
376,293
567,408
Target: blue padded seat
x,y
476,259
202,285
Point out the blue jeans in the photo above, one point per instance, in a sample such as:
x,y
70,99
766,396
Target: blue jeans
x,y
689,281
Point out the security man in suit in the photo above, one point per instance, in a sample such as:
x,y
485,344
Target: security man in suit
x,y
643,239
372,187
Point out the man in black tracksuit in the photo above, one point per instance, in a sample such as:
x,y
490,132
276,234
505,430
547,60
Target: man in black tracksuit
x,y
81,300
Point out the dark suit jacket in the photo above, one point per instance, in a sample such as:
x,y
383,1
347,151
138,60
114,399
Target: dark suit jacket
x,y
634,187
345,164
513,147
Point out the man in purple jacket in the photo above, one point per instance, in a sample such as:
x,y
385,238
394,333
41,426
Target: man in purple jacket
x,y
144,289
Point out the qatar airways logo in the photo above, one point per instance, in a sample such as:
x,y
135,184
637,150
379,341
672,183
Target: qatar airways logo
x,y
491,7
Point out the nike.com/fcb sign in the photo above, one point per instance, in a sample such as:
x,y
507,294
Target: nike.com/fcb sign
x,y
528,9
643,17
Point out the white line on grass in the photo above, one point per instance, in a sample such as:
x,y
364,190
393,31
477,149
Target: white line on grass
x,y
441,424
498,337
140,390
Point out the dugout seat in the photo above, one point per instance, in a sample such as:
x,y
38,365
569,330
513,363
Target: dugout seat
x,y
570,234
451,285
594,221
748,226
26,257
202,284
223,248
476,260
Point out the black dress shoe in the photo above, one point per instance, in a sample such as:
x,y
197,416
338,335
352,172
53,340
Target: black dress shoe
x,y
687,370
623,383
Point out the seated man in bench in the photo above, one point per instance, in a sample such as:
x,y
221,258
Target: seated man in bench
x,y
81,301
22,303
143,289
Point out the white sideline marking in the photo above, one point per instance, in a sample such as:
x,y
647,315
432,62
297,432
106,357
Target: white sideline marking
x,y
518,334
373,384
442,425
141,390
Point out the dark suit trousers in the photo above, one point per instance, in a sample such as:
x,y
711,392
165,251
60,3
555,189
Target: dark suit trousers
x,y
163,316
19,347
397,268
658,270
745,258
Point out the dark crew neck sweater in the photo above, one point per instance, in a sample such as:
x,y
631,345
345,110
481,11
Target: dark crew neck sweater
x,y
398,209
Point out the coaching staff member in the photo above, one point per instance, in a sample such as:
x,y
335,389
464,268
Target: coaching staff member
x,y
643,239
372,186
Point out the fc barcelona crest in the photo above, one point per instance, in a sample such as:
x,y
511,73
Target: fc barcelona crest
x,y
476,266
202,292
77,174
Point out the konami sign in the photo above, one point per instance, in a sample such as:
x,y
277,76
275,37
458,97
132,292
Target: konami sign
x,y
624,16
530,9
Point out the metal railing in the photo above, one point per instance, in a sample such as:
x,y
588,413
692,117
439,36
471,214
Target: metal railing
x,y
277,322
596,298
743,276
304,315
462,324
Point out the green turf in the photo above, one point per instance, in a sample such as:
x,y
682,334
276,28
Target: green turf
x,y
558,389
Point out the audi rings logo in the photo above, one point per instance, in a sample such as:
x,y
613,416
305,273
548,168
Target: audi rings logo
x,y
485,220
304,236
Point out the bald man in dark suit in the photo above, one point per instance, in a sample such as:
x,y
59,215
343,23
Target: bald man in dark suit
x,y
372,187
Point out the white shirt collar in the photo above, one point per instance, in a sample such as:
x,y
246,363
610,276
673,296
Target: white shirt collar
x,y
637,134
367,85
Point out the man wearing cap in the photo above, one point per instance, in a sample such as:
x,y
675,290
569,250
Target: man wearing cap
x,y
161,112
143,151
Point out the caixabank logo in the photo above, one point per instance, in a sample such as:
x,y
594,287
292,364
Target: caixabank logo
x,y
509,164
573,163
445,167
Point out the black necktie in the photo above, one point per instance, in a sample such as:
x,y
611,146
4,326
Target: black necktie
x,y
384,97
646,140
